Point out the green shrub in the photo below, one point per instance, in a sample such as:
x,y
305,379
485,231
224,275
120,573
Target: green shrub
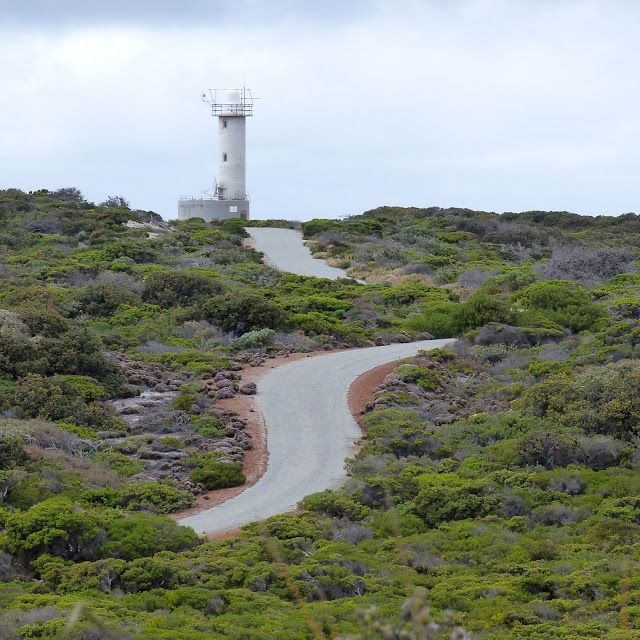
x,y
438,319
58,399
562,302
144,534
234,226
482,309
104,299
158,497
317,225
255,339
243,312
335,504
322,324
218,475
446,497
428,379
8,389
601,399
43,320
172,288
84,387
59,527
123,465
185,401
209,426
12,452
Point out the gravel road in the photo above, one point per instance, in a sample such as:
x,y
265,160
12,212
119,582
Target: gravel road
x,y
310,432
285,251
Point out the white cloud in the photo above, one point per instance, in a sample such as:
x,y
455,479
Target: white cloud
x,y
416,103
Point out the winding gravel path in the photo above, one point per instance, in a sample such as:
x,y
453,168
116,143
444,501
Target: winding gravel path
x,y
310,432
285,250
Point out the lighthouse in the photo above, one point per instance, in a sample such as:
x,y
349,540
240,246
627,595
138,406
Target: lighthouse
x,y
229,198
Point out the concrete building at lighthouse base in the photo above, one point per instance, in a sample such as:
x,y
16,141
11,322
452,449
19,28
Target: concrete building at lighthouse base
x,y
212,209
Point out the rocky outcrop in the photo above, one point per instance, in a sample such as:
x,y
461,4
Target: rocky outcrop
x,y
163,437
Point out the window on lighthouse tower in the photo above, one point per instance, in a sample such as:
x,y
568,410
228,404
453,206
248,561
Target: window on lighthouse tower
x,y
224,157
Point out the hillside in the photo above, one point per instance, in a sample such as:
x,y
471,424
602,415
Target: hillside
x,y
500,474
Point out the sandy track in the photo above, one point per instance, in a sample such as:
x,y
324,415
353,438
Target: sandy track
x,y
310,433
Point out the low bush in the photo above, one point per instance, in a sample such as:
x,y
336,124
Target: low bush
x,y
255,339
172,288
143,534
157,497
218,475
244,312
209,426
104,299
561,302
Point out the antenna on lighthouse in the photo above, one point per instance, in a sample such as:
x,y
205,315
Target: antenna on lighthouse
x,y
230,198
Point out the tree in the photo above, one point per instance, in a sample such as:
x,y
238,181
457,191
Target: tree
x,y
68,193
115,202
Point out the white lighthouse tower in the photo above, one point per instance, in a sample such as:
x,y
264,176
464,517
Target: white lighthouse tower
x,y
229,198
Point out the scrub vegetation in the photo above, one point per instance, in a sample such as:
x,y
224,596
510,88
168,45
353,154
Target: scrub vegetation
x,y
496,493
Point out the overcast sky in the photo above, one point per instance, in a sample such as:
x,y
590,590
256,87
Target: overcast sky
x,y
501,105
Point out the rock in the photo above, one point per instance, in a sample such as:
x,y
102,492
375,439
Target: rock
x,y
244,440
249,389
194,409
225,393
161,388
228,384
147,453
174,455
